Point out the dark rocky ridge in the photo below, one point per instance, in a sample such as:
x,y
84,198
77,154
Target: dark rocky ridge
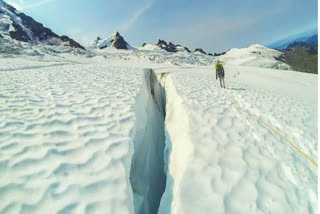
x,y
38,31
200,50
170,47
220,54
72,43
313,40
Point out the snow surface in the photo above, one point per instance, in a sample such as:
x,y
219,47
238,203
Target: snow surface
x,y
222,160
66,139
77,128
150,47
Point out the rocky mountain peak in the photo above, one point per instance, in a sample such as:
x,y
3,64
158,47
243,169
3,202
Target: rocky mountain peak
x,y
21,27
115,41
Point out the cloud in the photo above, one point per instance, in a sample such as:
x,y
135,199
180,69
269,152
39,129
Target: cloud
x,y
135,17
22,5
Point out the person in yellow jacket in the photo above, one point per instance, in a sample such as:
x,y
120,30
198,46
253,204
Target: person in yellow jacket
x,y
220,74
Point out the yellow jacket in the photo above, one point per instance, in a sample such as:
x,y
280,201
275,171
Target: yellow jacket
x,y
218,66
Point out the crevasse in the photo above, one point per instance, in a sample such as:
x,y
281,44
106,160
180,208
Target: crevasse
x,y
147,173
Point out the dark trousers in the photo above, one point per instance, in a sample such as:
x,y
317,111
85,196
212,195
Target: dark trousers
x,y
221,79
220,74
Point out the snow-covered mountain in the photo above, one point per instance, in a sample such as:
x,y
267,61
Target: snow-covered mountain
x,y
255,55
170,47
18,26
17,30
114,41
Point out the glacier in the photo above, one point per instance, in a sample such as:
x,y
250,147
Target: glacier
x,y
147,131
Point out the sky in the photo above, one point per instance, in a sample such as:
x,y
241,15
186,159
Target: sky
x,y
214,25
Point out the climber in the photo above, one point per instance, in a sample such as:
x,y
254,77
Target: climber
x,y
220,74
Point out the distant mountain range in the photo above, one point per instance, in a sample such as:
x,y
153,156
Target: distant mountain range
x,y
302,56
170,47
17,26
117,41
310,38
301,53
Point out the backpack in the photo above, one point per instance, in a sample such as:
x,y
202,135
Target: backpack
x,y
218,66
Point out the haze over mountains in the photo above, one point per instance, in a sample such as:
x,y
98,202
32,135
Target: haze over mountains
x,y
310,37
301,52
17,27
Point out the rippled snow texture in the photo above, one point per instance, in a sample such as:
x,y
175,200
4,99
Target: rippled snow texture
x,y
65,139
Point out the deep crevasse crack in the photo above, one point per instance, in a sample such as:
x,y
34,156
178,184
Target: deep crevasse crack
x,y
147,176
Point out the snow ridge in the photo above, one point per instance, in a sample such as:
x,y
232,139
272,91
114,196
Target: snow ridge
x,y
178,149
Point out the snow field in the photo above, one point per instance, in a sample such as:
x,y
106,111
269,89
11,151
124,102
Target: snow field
x,y
230,163
66,139
86,135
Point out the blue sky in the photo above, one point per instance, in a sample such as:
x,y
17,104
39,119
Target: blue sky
x,y
213,25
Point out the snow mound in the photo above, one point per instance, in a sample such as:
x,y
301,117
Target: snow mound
x,y
255,55
181,48
149,47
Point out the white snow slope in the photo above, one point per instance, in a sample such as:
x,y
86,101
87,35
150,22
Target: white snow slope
x,y
100,135
255,55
